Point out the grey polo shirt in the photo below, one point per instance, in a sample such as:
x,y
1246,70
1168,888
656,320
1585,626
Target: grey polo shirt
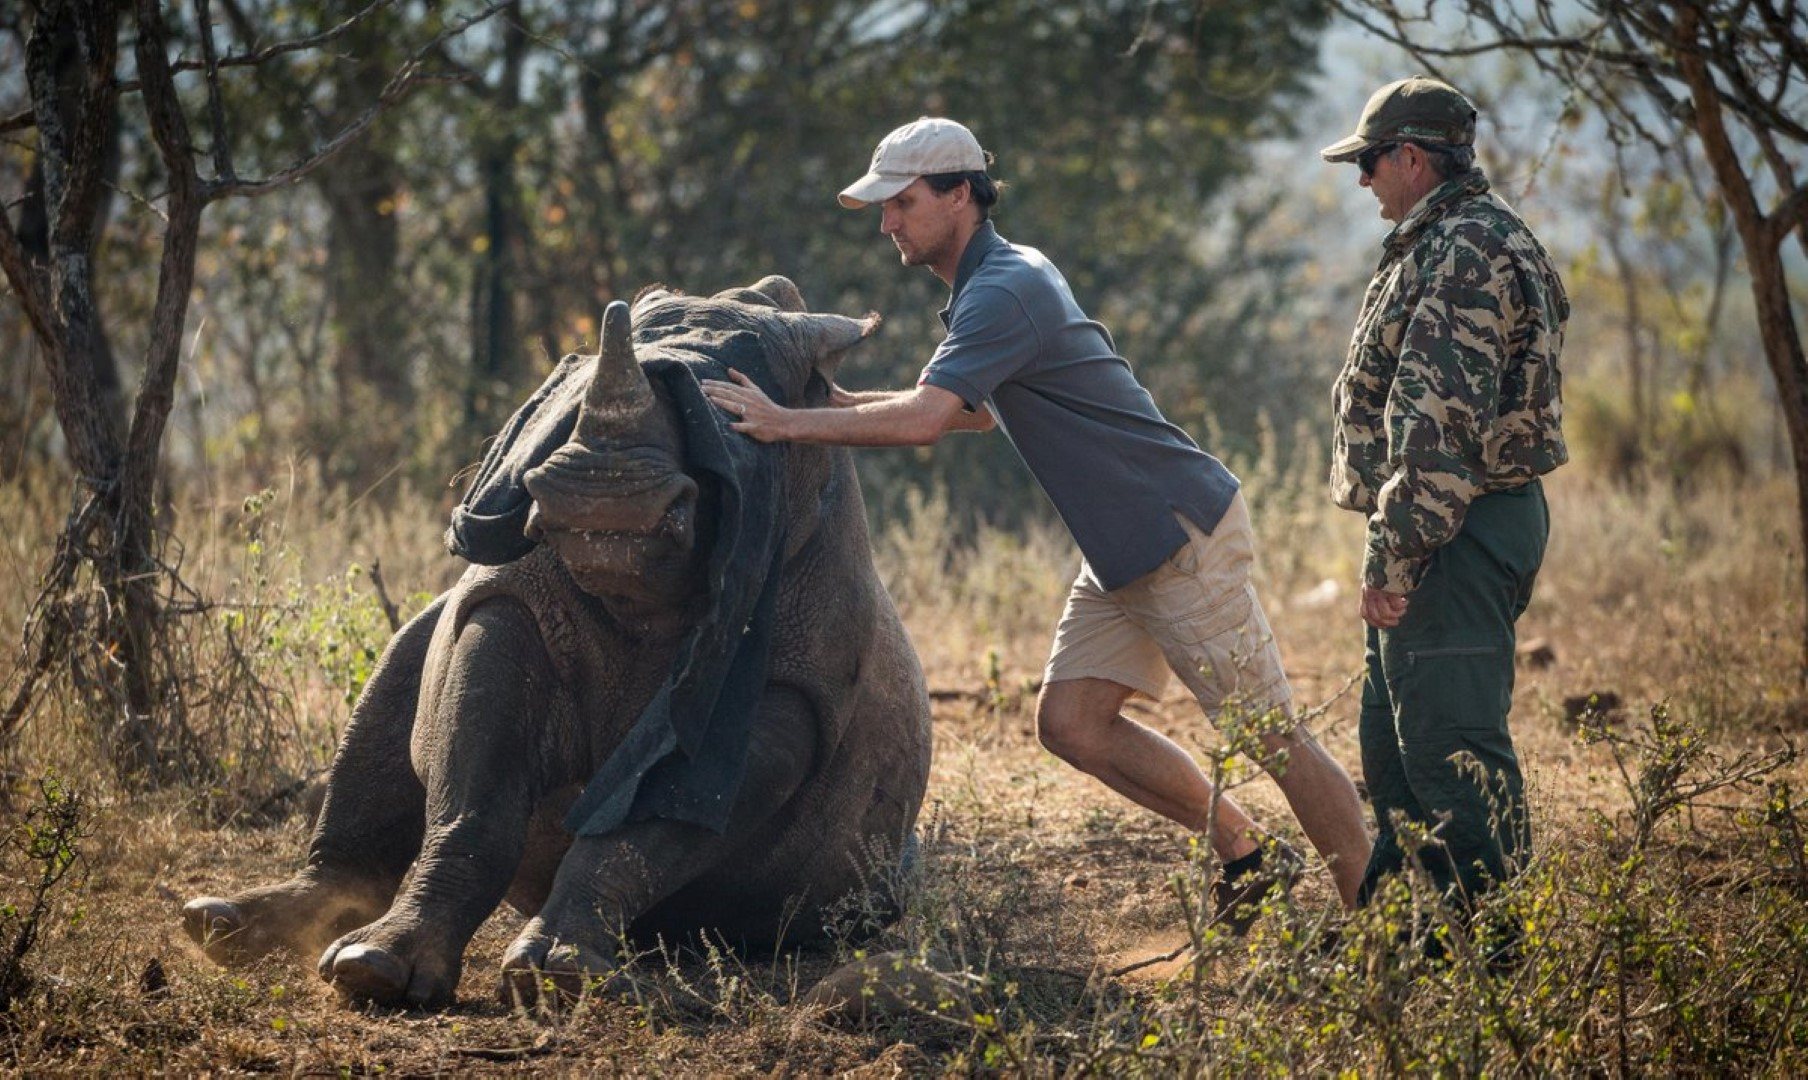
x,y
1116,471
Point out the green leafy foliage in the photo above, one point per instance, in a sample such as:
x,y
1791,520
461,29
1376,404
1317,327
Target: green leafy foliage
x,y
39,854
383,319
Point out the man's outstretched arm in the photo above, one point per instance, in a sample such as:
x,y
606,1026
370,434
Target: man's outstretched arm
x,y
964,420
915,417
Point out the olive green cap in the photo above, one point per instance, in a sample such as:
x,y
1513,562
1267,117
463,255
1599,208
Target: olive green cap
x,y
1417,110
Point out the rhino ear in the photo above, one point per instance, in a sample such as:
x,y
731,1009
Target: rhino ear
x,y
782,291
651,294
822,340
770,291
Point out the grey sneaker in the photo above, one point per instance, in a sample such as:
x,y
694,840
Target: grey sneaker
x,y
1237,901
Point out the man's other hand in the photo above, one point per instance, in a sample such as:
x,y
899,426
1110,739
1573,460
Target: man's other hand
x,y
1382,610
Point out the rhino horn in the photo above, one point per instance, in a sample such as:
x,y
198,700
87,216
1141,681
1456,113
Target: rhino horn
x,y
619,394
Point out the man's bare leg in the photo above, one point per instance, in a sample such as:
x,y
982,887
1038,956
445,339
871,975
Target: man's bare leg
x,y
1324,800
1078,720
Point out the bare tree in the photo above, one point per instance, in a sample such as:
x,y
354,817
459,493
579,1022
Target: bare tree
x,y
111,633
1731,74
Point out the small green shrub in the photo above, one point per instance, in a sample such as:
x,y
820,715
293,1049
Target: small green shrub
x,y
40,854
1670,936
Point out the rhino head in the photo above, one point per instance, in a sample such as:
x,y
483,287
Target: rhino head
x,y
617,502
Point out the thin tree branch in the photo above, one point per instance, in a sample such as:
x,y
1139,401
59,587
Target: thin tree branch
x,y
271,52
1783,173
175,275
25,285
1790,214
1565,43
216,106
27,118
1744,100
1788,38
406,78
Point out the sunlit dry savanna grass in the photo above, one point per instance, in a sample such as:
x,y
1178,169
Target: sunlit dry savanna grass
x,y
1668,928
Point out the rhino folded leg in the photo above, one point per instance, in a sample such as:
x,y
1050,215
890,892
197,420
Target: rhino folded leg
x,y
369,828
478,771
605,882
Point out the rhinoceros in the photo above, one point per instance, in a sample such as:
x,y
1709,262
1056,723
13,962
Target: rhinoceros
x,y
683,700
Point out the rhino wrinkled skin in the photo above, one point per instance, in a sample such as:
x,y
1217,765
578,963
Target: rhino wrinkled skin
x,y
490,711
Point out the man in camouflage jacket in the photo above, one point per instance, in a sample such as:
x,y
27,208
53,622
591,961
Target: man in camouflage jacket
x,y
1447,412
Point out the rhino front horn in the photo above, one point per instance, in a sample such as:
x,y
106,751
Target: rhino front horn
x,y
619,393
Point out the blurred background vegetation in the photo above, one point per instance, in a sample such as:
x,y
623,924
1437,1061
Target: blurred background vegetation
x,y
375,323
378,321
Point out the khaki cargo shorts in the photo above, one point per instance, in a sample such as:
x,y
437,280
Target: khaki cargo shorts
x,y
1195,615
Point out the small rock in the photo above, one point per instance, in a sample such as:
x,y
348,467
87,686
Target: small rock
x,y
1601,704
1322,595
1536,653
889,985
1156,958
1077,881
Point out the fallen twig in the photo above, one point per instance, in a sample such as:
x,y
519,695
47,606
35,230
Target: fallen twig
x,y
390,611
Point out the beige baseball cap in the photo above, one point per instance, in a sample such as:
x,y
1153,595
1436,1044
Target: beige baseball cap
x,y
924,147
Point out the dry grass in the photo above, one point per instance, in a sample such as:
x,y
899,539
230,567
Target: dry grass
x,y
1036,877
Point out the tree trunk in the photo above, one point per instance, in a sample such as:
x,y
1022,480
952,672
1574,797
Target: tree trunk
x,y
370,358
369,316
163,352
65,58
495,337
1763,243
1633,324
75,115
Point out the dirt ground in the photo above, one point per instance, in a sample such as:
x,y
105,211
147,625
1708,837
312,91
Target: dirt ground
x,y
1045,880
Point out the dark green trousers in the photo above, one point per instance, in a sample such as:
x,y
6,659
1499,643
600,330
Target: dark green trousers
x,y
1439,687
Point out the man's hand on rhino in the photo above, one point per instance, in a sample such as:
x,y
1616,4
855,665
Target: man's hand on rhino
x,y
756,415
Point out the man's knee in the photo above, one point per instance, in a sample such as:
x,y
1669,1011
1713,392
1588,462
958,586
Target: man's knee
x,y
1068,730
1060,732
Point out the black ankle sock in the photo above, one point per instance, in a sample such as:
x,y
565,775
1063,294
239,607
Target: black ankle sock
x,y
1249,863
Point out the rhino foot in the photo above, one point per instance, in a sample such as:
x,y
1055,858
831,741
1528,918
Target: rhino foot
x,y
389,969
219,927
297,915
543,969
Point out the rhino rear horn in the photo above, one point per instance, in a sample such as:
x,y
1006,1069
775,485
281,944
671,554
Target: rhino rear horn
x,y
619,393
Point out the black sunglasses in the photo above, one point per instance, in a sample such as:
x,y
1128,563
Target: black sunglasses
x,y
1368,159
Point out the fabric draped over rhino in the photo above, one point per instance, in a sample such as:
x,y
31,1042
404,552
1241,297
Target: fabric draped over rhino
x,y
685,755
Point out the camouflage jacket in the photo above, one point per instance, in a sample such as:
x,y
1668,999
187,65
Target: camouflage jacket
x,y
1451,387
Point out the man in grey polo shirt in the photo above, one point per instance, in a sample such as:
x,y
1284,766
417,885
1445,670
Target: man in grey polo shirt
x,y
1167,546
